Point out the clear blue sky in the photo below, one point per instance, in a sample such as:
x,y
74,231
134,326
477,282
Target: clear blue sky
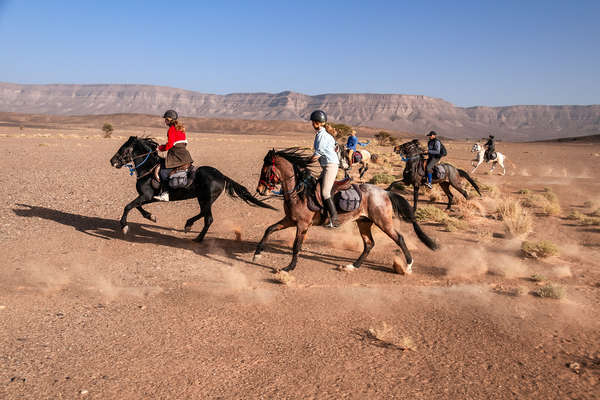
x,y
469,52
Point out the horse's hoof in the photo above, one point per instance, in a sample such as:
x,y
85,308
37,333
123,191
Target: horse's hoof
x,y
152,218
186,229
409,268
256,257
347,268
125,230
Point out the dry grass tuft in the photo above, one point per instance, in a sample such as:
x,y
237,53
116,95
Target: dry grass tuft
x,y
435,194
547,202
592,219
541,249
551,291
284,278
385,337
382,178
595,213
575,215
524,191
430,214
589,204
514,291
382,333
517,221
537,278
454,224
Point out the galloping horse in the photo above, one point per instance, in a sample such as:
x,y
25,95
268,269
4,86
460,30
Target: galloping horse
x,y
377,206
477,148
346,164
207,185
414,173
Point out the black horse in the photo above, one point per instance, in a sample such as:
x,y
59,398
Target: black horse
x,y
207,185
414,173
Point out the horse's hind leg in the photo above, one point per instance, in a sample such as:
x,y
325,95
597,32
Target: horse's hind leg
x,y
387,226
363,169
364,226
446,188
146,214
284,223
206,212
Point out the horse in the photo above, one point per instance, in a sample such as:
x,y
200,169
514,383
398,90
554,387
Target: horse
x,y
207,185
289,168
346,164
477,148
414,173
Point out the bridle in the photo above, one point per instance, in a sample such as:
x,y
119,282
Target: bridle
x,y
129,161
271,179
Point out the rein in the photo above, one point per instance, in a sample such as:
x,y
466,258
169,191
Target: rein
x,y
133,168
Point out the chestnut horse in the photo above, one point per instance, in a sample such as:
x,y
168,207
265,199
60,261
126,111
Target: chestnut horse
x,y
289,168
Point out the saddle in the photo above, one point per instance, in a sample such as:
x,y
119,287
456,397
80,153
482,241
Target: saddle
x,y
356,157
490,156
346,196
181,177
439,172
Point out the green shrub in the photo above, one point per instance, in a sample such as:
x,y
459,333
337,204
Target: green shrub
x,y
107,129
382,178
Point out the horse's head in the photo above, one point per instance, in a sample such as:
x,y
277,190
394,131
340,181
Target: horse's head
x,y
342,156
133,147
475,148
269,174
125,153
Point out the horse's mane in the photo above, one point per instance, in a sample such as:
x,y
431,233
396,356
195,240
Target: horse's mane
x,y
297,156
412,148
149,141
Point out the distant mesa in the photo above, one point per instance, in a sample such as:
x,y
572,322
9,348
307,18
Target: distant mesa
x,y
407,113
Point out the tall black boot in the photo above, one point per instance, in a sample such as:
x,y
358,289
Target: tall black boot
x,y
333,221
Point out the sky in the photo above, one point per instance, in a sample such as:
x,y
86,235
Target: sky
x,y
466,52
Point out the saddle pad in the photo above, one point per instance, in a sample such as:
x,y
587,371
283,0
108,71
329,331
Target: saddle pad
x,y
356,157
349,199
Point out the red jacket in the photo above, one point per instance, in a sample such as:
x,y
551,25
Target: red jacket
x,y
174,136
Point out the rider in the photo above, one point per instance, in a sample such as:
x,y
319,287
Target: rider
x,y
434,151
490,148
324,147
176,148
351,145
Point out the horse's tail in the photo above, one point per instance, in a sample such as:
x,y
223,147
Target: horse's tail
x,y
403,210
234,189
465,175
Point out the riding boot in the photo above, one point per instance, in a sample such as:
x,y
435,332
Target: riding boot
x,y
163,195
333,221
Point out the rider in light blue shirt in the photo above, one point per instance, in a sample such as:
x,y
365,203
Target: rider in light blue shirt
x,y
325,148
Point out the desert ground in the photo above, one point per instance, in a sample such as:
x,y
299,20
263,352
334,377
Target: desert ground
x,y
86,312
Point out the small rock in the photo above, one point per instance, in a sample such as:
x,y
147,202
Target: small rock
x,y
575,367
142,307
83,392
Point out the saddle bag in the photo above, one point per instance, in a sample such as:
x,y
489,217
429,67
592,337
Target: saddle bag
x,y
178,180
349,200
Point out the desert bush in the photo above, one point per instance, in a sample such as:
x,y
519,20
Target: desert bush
x,y
590,221
537,278
595,213
383,137
430,214
343,130
541,249
454,224
107,129
575,215
517,221
524,191
588,204
435,194
551,291
547,202
382,178
551,209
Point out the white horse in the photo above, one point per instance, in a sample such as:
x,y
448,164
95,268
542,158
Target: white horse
x,y
345,162
477,148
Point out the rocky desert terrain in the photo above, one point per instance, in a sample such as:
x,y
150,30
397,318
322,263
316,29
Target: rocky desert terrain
x,y
86,312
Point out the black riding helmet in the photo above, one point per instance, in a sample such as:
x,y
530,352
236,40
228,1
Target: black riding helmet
x,y
318,116
432,133
171,114
491,136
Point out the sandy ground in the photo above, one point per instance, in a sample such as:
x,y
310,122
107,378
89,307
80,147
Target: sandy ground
x,y
87,312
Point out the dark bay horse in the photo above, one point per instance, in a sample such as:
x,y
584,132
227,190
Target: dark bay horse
x,y
377,206
207,186
414,173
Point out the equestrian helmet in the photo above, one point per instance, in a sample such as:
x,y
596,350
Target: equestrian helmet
x,y
172,114
432,133
318,116
491,136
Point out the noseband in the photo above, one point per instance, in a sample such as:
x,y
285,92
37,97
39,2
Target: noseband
x,y
271,179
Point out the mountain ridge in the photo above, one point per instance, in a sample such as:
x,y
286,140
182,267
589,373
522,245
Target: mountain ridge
x,y
401,112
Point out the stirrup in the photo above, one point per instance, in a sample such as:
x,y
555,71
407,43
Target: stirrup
x,y
428,185
164,196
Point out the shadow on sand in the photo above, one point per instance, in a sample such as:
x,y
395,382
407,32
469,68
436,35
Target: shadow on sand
x,y
239,250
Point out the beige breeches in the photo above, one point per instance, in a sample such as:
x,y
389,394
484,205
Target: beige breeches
x,y
329,174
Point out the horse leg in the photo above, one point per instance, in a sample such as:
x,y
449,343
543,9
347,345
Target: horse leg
x,y
501,162
493,166
446,187
146,214
415,196
387,226
139,201
301,230
283,224
363,169
364,226
206,212
479,161
456,185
